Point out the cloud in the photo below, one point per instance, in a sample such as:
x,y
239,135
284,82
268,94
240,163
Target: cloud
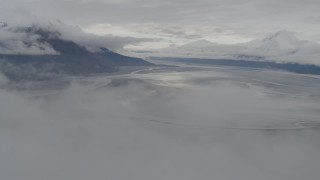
x,y
13,40
166,35
109,41
22,43
247,19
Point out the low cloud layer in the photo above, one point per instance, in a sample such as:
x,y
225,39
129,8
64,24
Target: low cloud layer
x,y
22,43
14,40
248,19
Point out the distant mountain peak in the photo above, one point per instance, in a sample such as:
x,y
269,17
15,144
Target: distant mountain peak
x,y
281,40
201,42
281,36
204,41
283,46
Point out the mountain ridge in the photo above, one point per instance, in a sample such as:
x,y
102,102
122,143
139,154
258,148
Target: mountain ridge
x,y
282,46
68,58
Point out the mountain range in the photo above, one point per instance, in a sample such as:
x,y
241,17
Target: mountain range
x,y
44,51
37,52
282,47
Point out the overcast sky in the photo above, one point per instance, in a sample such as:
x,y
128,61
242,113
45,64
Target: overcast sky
x,y
172,22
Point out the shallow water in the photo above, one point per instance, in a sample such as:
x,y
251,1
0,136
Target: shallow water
x,y
165,123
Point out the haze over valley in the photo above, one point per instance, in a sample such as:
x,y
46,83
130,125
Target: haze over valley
x,y
159,90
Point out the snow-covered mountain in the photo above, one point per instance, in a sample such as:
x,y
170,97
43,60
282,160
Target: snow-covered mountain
x,y
282,46
285,46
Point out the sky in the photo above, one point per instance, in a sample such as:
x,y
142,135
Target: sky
x,y
173,22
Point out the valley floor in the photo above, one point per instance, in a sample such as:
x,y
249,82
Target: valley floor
x,y
168,122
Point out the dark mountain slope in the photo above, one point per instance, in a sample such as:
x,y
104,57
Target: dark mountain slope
x,y
71,58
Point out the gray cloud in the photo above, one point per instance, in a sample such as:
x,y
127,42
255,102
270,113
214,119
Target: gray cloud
x,y
248,18
15,41
74,33
22,43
